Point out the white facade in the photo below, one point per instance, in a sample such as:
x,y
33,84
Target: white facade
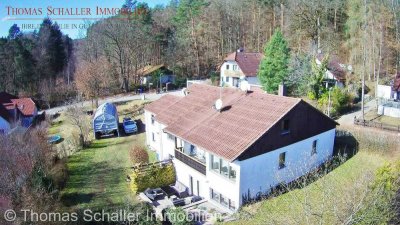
x,y
259,174
252,176
231,75
384,91
4,126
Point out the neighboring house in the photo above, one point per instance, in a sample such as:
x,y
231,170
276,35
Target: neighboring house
x,y
239,66
336,73
23,110
146,74
230,156
4,120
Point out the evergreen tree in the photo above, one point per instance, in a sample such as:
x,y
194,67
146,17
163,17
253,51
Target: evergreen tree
x,y
274,67
14,32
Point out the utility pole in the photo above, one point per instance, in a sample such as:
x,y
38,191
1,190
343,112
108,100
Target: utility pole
x,y
329,103
364,61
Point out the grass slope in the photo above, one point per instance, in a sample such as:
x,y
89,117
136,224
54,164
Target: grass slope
x,y
97,174
326,201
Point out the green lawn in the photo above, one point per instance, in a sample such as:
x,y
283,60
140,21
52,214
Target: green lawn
x,y
372,115
326,201
97,174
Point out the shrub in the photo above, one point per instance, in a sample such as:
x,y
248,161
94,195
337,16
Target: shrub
x,y
153,177
139,155
178,216
379,207
340,101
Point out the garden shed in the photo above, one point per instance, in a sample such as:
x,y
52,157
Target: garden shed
x,y
105,120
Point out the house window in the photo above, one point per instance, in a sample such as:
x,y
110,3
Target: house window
x,y
222,167
235,67
192,150
221,199
153,137
314,148
215,163
232,173
232,205
227,66
285,126
171,137
227,79
152,119
282,160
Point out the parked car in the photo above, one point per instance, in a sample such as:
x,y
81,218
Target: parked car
x,y
129,126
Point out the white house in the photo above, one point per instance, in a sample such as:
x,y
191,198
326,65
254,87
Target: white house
x,y
336,73
230,153
240,66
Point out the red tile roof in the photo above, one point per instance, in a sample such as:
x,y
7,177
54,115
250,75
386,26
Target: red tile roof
x,y
248,62
242,121
161,104
25,105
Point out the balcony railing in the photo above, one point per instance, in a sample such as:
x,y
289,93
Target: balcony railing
x,y
192,162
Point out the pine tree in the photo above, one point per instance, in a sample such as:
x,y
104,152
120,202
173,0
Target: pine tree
x,y
274,67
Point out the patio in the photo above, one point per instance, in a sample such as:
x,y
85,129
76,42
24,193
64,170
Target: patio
x,y
167,197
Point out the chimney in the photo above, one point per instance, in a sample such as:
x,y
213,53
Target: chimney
x,y
282,90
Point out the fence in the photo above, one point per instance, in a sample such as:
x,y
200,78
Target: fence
x,y
383,126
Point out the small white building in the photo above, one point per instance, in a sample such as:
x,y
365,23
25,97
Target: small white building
x,y
231,153
240,66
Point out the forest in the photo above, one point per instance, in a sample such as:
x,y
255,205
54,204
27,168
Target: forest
x,y
192,37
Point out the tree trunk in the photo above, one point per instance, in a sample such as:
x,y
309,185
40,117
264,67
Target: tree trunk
x,y
318,36
282,7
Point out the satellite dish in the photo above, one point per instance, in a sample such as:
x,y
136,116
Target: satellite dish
x,y
218,104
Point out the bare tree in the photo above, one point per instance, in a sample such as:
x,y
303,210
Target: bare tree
x,y
77,117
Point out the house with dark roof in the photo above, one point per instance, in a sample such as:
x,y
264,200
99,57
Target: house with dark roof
x,y
22,110
229,146
239,66
337,71
146,74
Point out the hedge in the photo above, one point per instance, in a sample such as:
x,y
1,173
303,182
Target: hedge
x,y
154,176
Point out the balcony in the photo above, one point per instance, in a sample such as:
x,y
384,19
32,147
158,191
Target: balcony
x,y
191,161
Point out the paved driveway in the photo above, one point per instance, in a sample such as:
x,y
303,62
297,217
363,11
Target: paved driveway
x,y
348,119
